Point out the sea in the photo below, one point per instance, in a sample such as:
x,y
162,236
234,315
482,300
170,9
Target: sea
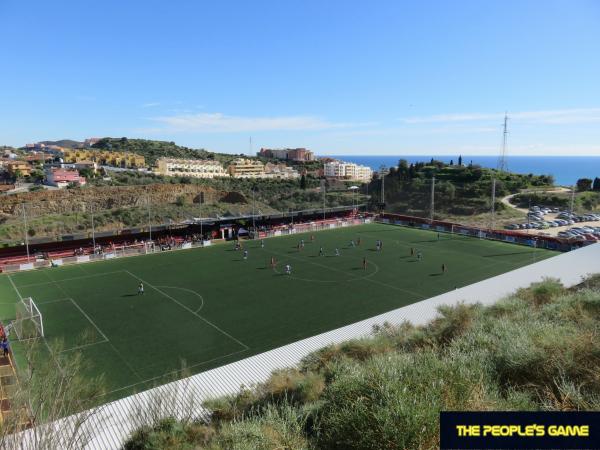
x,y
566,170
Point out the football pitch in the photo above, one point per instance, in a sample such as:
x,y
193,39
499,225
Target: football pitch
x,y
208,306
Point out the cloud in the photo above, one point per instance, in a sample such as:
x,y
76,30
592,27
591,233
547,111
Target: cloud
x,y
558,116
221,123
408,131
150,104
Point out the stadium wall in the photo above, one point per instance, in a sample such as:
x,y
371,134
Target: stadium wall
x,y
112,424
515,237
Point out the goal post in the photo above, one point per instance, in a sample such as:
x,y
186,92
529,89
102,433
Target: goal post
x,y
29,322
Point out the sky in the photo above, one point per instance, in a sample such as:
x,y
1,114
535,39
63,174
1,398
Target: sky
x,y
337,76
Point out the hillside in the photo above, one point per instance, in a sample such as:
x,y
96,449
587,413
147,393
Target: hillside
x,y
122,203
66,143
536,350
459,190
152,150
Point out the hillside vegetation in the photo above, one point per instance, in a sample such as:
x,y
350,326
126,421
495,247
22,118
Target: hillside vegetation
x,y
459,189
536,350
152,150
582,201
122,203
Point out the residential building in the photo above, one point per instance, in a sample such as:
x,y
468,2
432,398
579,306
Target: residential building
x,y
197,168
247,168
21,167
48,148
104,157
280,171
81,165
290,154
63,177
40,158
348,171
91,141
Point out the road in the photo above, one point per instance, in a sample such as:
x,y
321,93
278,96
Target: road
x,y
548,217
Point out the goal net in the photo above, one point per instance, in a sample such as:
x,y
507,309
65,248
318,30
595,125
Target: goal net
x,y
29,322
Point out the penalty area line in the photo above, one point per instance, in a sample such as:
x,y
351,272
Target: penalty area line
x,y
189,310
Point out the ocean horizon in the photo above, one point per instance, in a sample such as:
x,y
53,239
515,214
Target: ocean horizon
x,y
566,170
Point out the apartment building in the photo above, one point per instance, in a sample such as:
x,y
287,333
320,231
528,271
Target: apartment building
x,y
281,171
21,167
348,171
197,168
104,157
290,154
247,168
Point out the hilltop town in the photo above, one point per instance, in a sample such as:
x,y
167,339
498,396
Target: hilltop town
x,y
67,163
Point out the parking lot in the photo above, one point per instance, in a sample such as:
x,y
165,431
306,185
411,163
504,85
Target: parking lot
x,y
554,222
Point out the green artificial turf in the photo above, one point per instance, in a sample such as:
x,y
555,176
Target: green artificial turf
x,y
209,307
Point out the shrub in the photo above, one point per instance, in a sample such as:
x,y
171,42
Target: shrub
x,y
393,401
453,321
276,428
542,292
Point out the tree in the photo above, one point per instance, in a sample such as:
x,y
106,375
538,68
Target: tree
x,y
303,182
460,160
451,162
584,184
51,387
596,186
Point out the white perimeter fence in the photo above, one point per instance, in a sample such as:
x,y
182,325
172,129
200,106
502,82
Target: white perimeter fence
x,y
147,247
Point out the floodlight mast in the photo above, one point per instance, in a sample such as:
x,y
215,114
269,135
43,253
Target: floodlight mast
x,y
382,173
26,231
432,212
493,216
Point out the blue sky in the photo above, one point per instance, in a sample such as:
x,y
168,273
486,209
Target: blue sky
x,y
345,77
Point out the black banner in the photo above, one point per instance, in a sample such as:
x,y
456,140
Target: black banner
x,y
519,430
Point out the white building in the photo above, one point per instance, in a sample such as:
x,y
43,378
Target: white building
x,y
348,171
281,171
196,168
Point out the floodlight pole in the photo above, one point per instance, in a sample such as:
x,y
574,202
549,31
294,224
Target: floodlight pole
x,y
572,198
432,197
93,232
528,214
493,202
149,220
323,201
382,173
25,229
253,215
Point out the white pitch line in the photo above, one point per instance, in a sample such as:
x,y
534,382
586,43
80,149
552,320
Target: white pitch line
x,y
79,347
14,286
58,300
189,310
88,318
406,291
43,337
71,279
187,290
